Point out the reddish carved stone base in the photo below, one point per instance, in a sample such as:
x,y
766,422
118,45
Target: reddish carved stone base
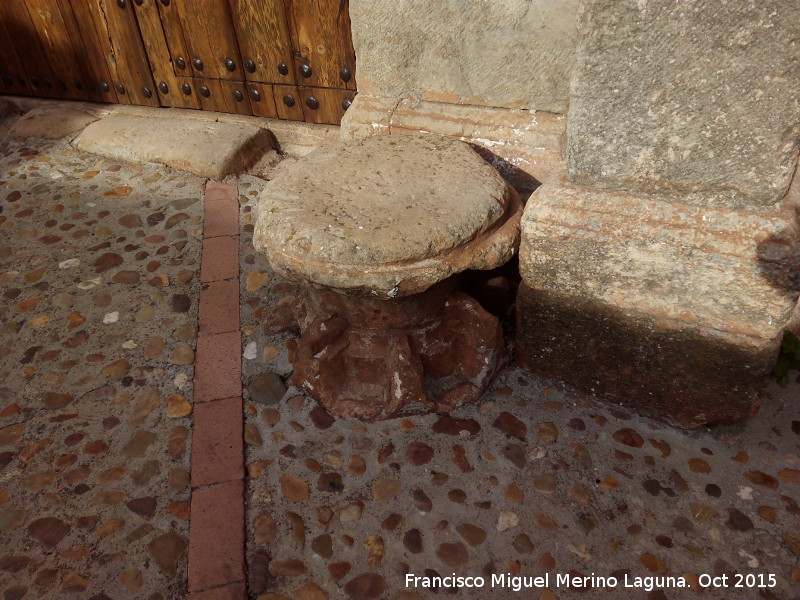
x,y
369,358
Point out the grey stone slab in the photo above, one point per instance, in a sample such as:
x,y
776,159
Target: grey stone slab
x,y
699,98
513,54
53,121
723,269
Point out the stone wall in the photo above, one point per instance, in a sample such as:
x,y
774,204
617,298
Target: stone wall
x,y
510,54
662,251
663,269
495,74
699,98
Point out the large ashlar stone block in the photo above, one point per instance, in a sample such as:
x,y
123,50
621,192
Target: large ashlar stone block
x,y
676,309
513,54
699,98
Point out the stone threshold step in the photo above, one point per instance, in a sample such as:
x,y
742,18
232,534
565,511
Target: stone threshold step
x,y
205,143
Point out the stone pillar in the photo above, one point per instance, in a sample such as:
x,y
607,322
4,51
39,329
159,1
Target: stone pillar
x,y
495,74
662,270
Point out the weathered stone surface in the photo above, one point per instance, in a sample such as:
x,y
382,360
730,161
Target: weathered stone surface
x,y
267,388
387,215
675,308
294,138
368,115
9,108
385,489
55,400
52,121
721,115
48,530
294,489
167,550
367,586
410,47
525,147
206,149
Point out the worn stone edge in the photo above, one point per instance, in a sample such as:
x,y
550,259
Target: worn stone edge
x,y
292,138
390,280
526,146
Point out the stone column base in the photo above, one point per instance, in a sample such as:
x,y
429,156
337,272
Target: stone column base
x,y
372,358
673,309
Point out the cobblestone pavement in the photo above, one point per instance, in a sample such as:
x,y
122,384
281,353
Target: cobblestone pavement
x,y
532,480
98,275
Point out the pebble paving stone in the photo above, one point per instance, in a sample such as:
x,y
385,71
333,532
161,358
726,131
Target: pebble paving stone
x,y
533,479
99,280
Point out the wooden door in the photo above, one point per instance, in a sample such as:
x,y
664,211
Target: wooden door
x,y
263,37
124,51
50,28
290,59
13,76
323,51
321,105
89,61
33,58
170,87
78,16
205,33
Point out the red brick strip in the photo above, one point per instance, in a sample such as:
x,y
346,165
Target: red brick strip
x,y
216,527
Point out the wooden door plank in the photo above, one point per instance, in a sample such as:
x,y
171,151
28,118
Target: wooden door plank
x,y
173,32
221,96
29,48
84,61
55,40
288,103
13,76
210,38
321,105
210,93
262,101
186,93
230,99
167,86
130,58
98,48
320,31
262,32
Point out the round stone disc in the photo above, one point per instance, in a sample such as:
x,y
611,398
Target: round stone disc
x,y
385,214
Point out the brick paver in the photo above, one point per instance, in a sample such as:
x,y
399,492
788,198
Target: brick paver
x,y
218,366
221,210
216,536
234,591
220,258
217,445
219,307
